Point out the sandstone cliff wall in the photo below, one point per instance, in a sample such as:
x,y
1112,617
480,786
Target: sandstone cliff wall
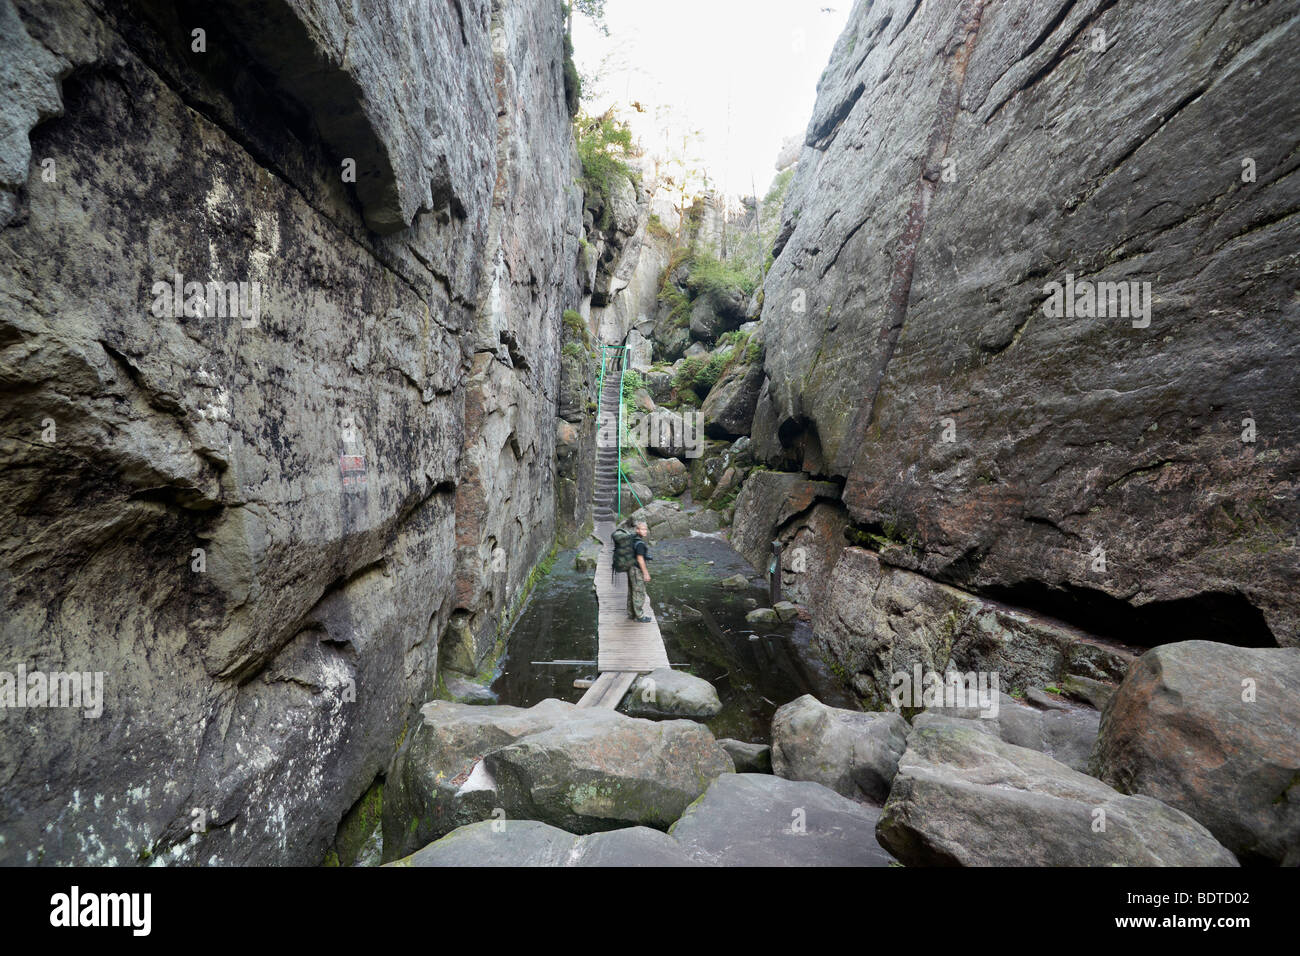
x,y
961,157
259,528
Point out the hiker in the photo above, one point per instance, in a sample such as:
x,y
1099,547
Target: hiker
x,y
630,554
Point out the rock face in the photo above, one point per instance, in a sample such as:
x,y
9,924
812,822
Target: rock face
x,y
1215,731
909,351
879,621
258,516
963,797
749,819
852,753
729,408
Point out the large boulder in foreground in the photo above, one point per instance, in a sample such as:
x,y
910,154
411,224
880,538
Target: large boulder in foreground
x,y
666,692
853,753
1215,731
964,797
600,770
1065,734
530,843
424,799
750,819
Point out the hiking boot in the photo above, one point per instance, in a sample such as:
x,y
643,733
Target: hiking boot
x,y
644,620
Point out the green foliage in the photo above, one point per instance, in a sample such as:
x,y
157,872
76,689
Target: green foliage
x,y
574,350
632,382
711,276
656,227
593,10
573,323
572,81
686,374
751,251
604,146
698,375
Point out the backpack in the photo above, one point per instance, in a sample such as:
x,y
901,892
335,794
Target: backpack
x,y
624,549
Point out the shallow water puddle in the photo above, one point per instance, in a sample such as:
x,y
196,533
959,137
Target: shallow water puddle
x,y
756,668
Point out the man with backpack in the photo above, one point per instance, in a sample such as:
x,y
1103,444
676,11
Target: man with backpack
x,y
631,554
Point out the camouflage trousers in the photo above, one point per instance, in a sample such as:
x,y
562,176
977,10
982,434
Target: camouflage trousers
x,y
636,596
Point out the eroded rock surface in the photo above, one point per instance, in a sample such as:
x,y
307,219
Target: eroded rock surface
x,y
955,166
1215,731
964,797
259,515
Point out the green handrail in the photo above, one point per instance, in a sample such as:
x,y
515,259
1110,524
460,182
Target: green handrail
x,y
621,369
604,361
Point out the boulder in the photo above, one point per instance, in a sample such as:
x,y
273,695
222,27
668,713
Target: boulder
x,y
666,692
707,469
853,753
532,843
786,611
737,582
423,799
963,797
762,615
670,339
660,385
667,476
748,758
750,819
728,409
667,520
640,351
586,556
667,433
465,691
727,484
1065,734
600,770
1094,692
1215,731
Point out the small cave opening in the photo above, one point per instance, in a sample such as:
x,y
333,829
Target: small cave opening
x,y
1219,616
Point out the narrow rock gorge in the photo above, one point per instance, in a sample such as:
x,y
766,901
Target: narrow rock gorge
x,y
311,319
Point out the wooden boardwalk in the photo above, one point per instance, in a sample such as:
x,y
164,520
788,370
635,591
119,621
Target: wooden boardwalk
x,y
627,647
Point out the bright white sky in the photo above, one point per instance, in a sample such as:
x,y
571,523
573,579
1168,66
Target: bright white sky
x,y
741,72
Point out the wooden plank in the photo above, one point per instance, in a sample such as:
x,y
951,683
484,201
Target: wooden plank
x,y
625,645
608,690
597,690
